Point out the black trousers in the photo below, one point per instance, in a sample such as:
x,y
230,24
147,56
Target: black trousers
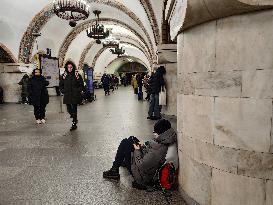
x,y
39,112
72,109
126,147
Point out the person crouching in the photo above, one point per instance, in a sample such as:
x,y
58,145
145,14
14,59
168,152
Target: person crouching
x,y
143,160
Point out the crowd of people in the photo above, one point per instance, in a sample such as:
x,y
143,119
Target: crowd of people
x,y
153,85
142,159
109,82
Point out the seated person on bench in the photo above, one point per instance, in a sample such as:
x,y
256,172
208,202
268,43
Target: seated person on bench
x,y
143,160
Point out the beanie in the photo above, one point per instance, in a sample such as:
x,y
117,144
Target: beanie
x,y
162,126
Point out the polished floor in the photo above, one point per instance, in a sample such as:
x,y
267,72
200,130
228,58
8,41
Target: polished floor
x,y
48,164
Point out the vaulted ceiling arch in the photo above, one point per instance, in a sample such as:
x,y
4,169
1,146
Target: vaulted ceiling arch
x,y
40,20
6,55
86,24
137,43
105,48
104,57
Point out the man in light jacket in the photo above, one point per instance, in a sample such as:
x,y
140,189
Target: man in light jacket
x,y
143,160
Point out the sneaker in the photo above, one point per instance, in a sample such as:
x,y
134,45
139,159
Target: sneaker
x,y
73,127
38,121
112,174
43,121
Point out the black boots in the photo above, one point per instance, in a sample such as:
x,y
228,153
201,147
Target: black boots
x,y
74,125
113,173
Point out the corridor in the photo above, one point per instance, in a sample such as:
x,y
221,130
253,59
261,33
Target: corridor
x,y
48,164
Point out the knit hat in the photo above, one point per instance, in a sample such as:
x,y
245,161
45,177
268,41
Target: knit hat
x,y
162,126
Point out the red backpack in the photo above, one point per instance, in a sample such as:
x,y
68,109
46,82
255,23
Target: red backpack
x,y
167,176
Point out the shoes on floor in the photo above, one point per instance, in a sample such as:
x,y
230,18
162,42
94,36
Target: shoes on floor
x,y
43,121
113,173
150,118
73,127
38,122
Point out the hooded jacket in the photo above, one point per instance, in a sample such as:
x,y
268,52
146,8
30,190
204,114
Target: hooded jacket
x,y
71,86
147,160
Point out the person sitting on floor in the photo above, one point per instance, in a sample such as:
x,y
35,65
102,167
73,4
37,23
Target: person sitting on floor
x,y
143,160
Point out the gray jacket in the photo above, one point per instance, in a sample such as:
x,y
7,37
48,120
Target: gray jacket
x,y
150,157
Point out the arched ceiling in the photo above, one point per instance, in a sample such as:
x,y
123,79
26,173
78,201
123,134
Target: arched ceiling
x,y
138,19
113,66
106,57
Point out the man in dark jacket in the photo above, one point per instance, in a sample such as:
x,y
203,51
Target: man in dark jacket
x,y
38,95
156,84
24,93
106,83
143,160
71,85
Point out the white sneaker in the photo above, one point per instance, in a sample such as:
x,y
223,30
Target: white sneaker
x,y
38,121
43,121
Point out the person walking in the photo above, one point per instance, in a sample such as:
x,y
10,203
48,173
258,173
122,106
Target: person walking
x,y
134,84
157,85
38,95
24,93
106,83
71,85
139,79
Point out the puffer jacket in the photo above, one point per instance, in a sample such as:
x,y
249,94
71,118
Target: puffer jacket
x,y
71,87
146,161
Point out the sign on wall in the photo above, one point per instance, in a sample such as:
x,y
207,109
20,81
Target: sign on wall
x,y
50,68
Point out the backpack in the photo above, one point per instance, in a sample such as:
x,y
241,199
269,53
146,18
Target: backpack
x,y
167,176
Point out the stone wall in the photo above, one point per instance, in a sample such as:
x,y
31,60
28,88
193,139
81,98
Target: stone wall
x,y
171,87
167,56
225,95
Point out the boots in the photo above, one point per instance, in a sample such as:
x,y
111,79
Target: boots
x,y
113,173
74,124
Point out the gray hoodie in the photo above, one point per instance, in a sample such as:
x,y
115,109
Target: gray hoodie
x,y
148,159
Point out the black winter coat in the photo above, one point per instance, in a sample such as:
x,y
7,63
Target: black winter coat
x,y
156,83
38,94
72,87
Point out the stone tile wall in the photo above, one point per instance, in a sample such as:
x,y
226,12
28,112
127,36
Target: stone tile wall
x,y
225,110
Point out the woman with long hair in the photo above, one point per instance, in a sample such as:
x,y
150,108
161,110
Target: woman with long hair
x,y
71,85
38,95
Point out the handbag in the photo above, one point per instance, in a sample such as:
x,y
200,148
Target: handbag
x,y
163,97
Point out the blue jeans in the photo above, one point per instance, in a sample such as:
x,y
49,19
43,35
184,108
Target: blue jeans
x,y
154,109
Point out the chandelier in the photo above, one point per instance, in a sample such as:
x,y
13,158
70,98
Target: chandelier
x,y
97,30
72,10
118,51
110,42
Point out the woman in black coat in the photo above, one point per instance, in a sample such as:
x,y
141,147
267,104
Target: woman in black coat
x,y
71,85
38,95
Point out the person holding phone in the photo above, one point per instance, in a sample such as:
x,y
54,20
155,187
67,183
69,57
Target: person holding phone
x,y
143,159
71,85
38,95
